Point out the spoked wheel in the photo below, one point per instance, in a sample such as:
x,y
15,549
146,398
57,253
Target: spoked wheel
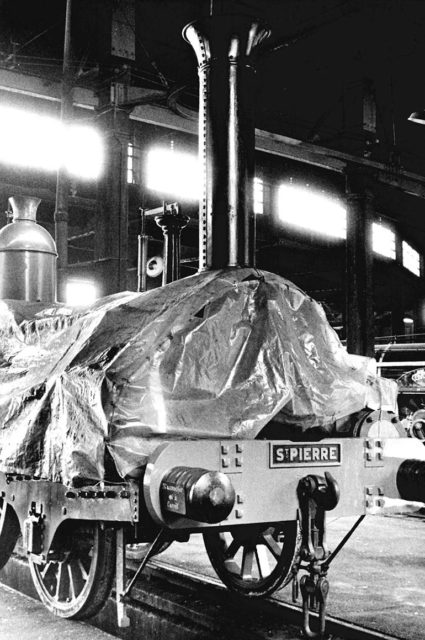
x,y
77,577
9,531
254,560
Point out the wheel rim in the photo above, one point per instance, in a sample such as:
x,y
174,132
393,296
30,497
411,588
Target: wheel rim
x,y
72,581
255,560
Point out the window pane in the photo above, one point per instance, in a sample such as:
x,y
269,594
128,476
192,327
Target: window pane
x,y
43,142
80,292
383,240
130,166
173,173
258,195
411,259
311,210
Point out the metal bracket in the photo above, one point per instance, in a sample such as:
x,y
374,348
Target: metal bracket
x,y
374,498
231,457
373,453
122,618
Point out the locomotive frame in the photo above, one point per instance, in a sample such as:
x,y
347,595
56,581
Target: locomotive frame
x,y
269,510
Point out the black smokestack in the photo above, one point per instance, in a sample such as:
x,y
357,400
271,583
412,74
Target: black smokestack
x,y
225,47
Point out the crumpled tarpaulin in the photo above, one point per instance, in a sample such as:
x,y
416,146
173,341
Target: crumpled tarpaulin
x,y
216,355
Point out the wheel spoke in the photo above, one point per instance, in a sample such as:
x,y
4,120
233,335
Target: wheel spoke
x,y
58,581
260,571
272,545
263,563
247,562
46,569
84,573
71,583
3,510
232,549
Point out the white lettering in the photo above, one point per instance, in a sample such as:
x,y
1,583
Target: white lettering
x,y
324,455
316,454
280,455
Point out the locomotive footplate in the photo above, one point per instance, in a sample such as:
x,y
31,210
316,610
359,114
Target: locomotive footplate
x,y
41,506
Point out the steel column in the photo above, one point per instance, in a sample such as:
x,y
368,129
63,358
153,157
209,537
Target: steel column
x,y
111,236
62,180
359,267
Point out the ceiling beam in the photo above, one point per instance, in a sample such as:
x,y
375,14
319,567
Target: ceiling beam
x,y
265,141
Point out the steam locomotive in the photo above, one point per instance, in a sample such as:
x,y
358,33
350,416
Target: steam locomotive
x,y
220,404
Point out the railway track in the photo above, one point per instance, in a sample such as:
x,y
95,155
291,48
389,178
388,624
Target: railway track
x,y
170,602
269,618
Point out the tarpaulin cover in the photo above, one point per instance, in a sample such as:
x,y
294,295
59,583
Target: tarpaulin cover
x,y
216,355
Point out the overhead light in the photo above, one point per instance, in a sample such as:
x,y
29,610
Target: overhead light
x,y
407,319
418,117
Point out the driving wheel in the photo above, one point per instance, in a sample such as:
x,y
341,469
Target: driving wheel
x,y
9,531
77,578
255,560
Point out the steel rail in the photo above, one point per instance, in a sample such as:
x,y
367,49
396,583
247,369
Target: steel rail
x,y
271,609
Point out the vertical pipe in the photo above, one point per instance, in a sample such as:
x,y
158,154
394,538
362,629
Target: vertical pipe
x,y
62,181
225,46
142,254
171,225
359,266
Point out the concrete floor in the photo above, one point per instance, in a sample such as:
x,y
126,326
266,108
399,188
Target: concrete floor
x,y
22,618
